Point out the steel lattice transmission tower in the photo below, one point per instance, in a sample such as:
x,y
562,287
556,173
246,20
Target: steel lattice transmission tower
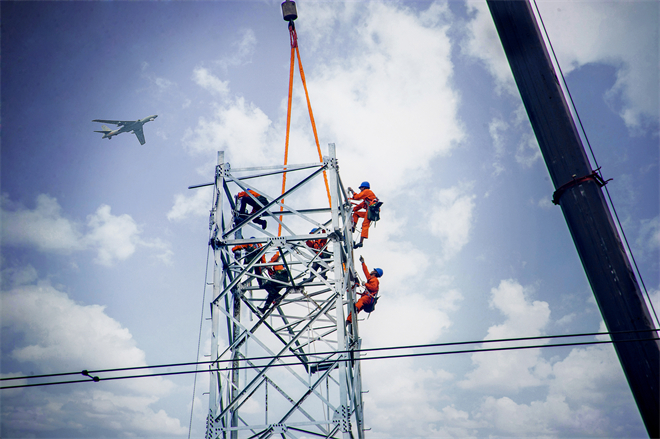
x,y
291,371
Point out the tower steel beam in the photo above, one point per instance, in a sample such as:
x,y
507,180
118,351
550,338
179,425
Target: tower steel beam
x,y
578,192
299,346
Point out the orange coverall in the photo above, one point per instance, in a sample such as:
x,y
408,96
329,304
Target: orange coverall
x,y
246,200
277,272
252,250
368,198
317,245
371,288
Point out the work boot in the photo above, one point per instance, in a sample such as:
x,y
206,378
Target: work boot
x,y
358,245
261,222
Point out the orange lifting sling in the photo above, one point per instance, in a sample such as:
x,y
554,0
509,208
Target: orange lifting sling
x,y
294,50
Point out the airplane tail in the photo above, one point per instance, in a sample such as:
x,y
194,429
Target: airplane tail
x,y
104,130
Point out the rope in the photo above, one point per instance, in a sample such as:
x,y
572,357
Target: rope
x,y
294,44
293,36
593,156
311,118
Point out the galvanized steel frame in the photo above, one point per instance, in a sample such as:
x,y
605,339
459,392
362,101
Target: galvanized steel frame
x,y
299,348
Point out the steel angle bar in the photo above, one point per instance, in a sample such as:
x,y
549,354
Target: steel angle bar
x,y
280,171
318,338
276,333
274,201
282,167
245,334
309,392
264,381
341,190
289,239
201,185
304,211
327,435
228,195
252,429
275,359
237,279
291,168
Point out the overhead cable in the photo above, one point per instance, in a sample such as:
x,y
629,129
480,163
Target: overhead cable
x,y
358,358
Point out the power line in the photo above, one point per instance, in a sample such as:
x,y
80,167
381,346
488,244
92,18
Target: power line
x,y
385,348
408,355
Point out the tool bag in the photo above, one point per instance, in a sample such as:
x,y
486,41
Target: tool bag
x,y
369,307
373,211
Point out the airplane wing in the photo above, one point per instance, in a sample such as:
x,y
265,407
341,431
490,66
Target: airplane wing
x,y
140,135
114,122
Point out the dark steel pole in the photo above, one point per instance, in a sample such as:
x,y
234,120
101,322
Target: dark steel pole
x,y
578,192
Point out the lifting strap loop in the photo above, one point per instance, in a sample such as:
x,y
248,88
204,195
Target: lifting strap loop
x,y
294,48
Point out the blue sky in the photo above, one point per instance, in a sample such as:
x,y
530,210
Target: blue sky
x,y
104,248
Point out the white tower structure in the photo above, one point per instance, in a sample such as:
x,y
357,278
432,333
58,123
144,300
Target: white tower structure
x,y
288,371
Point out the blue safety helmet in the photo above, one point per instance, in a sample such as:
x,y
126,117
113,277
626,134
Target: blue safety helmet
x,y
378,271
365,184
314,230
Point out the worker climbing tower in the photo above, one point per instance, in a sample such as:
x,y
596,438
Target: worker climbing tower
x,y
289,370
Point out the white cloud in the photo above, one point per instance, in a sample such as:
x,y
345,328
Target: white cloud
x,y
206,80
546,203
451,217
623,35
496,128
114,238
511,370
649,234
389,102
159,84
581,394
237,127
407,405
51,333
483,43
12,277
528,151
198,204
242,50
44,227
587,394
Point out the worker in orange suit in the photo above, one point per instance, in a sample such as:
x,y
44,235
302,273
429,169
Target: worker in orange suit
x,y
317,245
277,273
243,200
251,253
360,210
371,287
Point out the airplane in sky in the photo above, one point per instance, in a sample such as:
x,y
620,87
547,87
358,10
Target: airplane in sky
x,y
125,126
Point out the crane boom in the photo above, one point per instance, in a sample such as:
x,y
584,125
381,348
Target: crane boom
x,y
579,193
